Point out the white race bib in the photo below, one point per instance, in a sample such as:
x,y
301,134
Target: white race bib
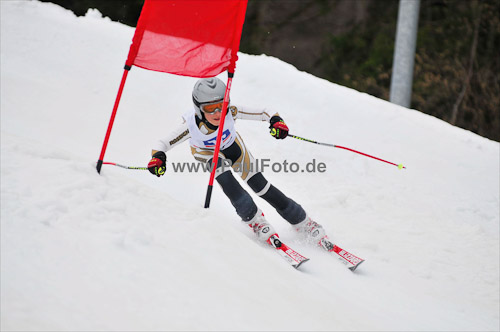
x,y
200,140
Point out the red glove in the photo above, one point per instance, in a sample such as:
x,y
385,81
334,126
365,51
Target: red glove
x,y
157,164
279,129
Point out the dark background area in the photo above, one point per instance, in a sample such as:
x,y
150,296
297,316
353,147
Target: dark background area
x,y
351,42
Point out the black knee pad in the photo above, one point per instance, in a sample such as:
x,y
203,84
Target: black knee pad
x,y
293,213
290,210
245,207
240,199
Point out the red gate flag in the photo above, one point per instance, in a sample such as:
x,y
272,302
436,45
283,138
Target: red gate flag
x,y
198,38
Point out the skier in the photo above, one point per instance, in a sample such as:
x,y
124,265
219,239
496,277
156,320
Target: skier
x,y
201,125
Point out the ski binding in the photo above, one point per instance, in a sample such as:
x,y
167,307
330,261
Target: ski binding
x,y
289,255
346,257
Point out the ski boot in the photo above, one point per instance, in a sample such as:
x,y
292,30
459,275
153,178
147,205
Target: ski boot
x,y
262,229
311,230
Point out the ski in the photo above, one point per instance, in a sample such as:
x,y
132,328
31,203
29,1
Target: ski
x,y
346,257
289,255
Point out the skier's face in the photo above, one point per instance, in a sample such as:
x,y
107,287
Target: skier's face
x,y
213,118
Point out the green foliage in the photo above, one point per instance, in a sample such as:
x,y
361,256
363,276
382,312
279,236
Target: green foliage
x,y
362,57
450,70
457,66
124,11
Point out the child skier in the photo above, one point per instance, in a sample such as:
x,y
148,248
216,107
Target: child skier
x,y
201,125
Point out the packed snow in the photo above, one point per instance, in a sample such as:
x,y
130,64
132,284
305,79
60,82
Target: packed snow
x,y
128,251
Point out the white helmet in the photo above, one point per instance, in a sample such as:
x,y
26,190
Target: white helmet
x,y
207,90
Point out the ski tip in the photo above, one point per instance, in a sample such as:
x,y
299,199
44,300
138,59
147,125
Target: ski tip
x,y
353,268
300,263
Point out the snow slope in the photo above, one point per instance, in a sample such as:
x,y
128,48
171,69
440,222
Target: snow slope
x,y
127,251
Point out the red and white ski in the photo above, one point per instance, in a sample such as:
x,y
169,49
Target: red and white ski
x,y
346,257
291,256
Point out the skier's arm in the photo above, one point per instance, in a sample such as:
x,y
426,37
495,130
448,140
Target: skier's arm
x,y
157,164
179,135
279,129
250,113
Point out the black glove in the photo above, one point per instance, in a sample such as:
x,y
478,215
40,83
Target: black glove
x,y
279,129
157,165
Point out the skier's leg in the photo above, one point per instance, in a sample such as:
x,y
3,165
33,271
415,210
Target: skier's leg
x,y
244,164
245,206
239,197
242,201
242,160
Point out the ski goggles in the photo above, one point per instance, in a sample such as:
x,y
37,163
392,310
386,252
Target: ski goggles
x,y
211,108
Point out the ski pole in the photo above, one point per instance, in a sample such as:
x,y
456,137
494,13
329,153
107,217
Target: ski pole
x,y
123,166
400,166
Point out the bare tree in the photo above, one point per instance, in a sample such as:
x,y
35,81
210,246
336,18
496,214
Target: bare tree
x,y
472,58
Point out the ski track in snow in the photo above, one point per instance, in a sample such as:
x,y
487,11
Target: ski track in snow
x,y
127,251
